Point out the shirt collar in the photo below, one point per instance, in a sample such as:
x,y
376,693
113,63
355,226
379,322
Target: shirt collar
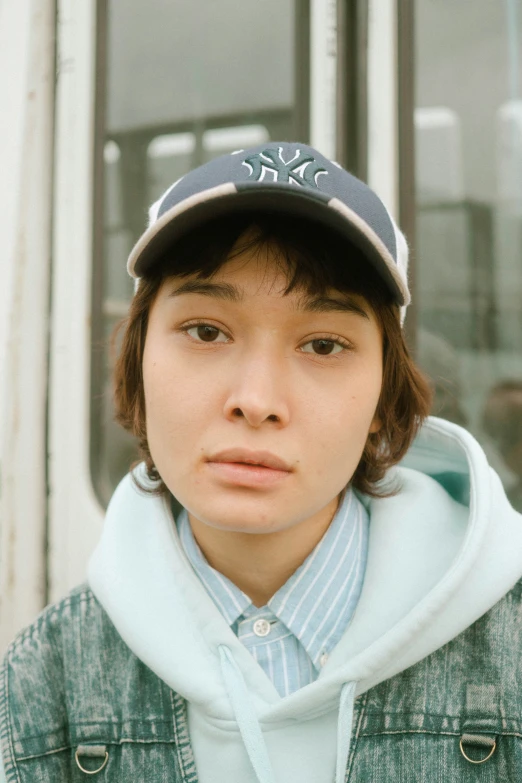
x,y
229,599
317,601
322,590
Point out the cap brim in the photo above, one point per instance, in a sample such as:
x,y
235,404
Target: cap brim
x,y
290,200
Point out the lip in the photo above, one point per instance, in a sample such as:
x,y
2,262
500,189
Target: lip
x,y
263,459
248,469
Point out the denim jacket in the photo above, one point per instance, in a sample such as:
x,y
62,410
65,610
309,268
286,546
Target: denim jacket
x,y
74,699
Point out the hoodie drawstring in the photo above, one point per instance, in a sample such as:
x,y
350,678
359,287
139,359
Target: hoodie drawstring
x,y
250,729
246,717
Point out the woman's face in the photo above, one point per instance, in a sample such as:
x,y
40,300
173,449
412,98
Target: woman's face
x,y
258,404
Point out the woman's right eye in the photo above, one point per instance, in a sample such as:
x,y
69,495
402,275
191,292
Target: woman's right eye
x,y
206,333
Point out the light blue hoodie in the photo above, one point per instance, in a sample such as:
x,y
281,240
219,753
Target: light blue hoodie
x,y
442,552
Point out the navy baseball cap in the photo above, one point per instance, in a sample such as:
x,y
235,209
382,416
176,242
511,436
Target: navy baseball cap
x,y
284,178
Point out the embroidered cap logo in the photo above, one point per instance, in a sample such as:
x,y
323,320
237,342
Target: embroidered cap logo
x,y
302,169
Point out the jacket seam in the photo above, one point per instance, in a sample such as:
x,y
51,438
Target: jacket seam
x,y
438,733
11,770
434,715
99,731
42,755
187,770
355,740
84,597
112,744
97,725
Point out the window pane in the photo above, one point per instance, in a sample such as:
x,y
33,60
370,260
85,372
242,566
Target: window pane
x,y
468,125
185,82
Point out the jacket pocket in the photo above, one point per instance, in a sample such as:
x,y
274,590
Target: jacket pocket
x,y
423,757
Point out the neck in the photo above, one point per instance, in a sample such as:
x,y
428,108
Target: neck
x,y
260,564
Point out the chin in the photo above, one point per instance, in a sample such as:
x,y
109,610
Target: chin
x,y
243,517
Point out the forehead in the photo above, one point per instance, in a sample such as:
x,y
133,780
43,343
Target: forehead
x,y
261,273
251,264
291,258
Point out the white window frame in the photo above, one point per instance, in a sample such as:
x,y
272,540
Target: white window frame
x,y
323,76
75,514
383,124
26,146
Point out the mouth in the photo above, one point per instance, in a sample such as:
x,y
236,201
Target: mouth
x,y
260,459
239,467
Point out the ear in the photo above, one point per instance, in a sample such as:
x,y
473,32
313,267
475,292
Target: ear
x,y
376,425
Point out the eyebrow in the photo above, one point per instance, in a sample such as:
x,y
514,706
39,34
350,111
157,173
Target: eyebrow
x,y
216,290
308,304
332,304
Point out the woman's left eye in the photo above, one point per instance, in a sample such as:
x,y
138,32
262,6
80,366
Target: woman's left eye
x,y
323,347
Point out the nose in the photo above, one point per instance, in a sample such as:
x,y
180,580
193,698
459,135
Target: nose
x,y
259,392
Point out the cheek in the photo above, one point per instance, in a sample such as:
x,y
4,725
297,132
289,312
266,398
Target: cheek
x,y
158,384
179,406
344,421
166,399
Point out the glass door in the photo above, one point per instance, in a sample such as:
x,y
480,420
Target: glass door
x,y
179,83
468,177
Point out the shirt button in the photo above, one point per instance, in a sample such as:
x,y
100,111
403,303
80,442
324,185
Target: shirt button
x,y
323,659
261,627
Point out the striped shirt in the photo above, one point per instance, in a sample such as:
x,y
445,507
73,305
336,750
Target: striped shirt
x,y
292,636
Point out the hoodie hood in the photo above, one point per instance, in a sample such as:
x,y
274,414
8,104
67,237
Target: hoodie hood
x,y
442,551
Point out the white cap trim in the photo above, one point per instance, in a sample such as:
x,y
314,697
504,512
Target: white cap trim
x,y
198,198
398,270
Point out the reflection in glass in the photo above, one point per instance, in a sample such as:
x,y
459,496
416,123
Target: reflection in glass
x,y
502,421
185,82
469,220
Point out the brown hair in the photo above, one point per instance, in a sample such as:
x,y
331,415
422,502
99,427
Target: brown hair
x,y
314,263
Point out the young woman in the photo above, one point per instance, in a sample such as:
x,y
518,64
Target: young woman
x,y
274,598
